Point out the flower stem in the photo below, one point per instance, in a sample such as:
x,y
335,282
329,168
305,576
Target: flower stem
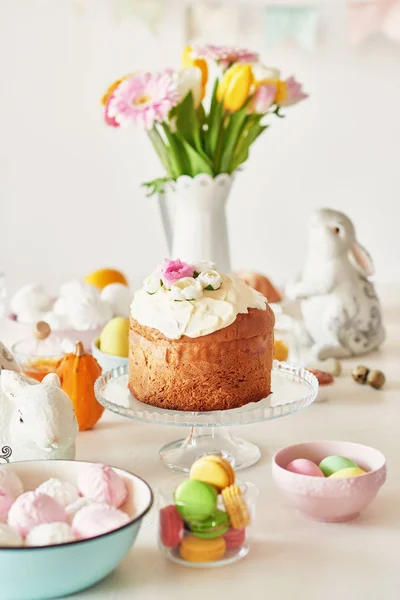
x,y
160,148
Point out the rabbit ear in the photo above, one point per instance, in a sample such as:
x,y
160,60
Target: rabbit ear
x,y
361,259
52,379
14,383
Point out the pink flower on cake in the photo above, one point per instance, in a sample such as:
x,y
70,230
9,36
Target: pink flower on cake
x,y
174,270
263,98
143,99
289,92
225,55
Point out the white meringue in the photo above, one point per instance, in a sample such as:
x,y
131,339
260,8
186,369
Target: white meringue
x,y
9,538
31,298
82,305
62,491
50,534
119,297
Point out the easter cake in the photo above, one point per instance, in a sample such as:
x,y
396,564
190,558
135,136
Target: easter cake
x,y
199,340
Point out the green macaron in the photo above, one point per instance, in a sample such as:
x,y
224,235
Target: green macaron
x,y
332,464
215,526
195,500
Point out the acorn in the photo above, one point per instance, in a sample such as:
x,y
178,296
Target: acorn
x,y
360,374
376,379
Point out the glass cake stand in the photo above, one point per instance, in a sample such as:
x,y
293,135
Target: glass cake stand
x,y
293,389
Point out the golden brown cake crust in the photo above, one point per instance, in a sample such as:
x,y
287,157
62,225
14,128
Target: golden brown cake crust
x,y
225,369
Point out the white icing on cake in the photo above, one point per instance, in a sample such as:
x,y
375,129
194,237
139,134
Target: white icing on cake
x,y
215,310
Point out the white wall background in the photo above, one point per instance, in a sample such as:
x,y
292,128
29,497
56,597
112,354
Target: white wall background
x,y
70,187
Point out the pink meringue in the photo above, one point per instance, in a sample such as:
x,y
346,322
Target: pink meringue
x,y
6,502
32,509
11,482
97,519
102,484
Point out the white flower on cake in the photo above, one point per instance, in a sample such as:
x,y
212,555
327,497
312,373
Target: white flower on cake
x,y
153,283
204,265
187,288
210,280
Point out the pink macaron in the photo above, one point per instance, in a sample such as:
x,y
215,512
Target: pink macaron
x,y
32,509
102,484
97,519
171,526
303,466
234,538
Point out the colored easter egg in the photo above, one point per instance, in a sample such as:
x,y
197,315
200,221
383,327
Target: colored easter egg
x,y
346,473
331,464
303,466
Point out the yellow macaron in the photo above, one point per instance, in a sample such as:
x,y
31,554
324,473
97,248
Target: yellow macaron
x,y
346,473
194,549
236,507
214,470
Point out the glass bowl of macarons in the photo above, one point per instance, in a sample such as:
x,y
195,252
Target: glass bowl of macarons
x,y
329,481
205,520
65,525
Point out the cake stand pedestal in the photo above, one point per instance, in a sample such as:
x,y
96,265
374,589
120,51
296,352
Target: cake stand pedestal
x,y
181,454
293,389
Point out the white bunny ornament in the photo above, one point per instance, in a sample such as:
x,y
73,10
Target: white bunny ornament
x,y
340,308
38,420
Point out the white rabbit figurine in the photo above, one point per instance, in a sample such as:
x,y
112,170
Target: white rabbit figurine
x,y
340,308
37,419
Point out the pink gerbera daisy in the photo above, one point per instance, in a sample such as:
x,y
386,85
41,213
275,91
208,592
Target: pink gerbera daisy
x,y
225,55
143,99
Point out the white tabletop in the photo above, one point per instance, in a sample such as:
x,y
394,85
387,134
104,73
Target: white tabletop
x,y
291,558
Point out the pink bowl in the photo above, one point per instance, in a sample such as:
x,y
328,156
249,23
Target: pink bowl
x,y
322,498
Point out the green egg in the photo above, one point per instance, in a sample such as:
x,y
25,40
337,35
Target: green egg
x,y
195,500
332,464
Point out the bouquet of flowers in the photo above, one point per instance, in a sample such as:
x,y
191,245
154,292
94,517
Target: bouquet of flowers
x,y
193,133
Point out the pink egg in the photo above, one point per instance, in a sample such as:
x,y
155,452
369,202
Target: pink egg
x,y
303,466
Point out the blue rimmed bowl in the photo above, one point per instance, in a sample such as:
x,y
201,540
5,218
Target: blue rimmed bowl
x,y
38,573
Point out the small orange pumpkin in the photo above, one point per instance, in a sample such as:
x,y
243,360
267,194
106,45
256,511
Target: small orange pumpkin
x,y
77,372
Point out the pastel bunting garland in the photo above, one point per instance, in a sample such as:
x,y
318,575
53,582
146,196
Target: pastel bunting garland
x,y
367,18
295,22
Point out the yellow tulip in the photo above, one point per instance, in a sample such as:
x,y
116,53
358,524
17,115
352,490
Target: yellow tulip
x,y
111,89
234,88
189,62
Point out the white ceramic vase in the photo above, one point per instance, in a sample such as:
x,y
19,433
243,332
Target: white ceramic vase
x,y
193,211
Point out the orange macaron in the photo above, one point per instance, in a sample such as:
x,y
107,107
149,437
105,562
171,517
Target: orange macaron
x,y
194,549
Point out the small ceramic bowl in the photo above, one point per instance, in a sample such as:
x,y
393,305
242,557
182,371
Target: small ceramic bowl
x,y
37,573
325,499
107,361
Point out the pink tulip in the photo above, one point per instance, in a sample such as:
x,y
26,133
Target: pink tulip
x,y
290,92
263,98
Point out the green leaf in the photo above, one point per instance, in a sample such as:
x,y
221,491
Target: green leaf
x,y
198,164
156,186
231,136
250,133
187,121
